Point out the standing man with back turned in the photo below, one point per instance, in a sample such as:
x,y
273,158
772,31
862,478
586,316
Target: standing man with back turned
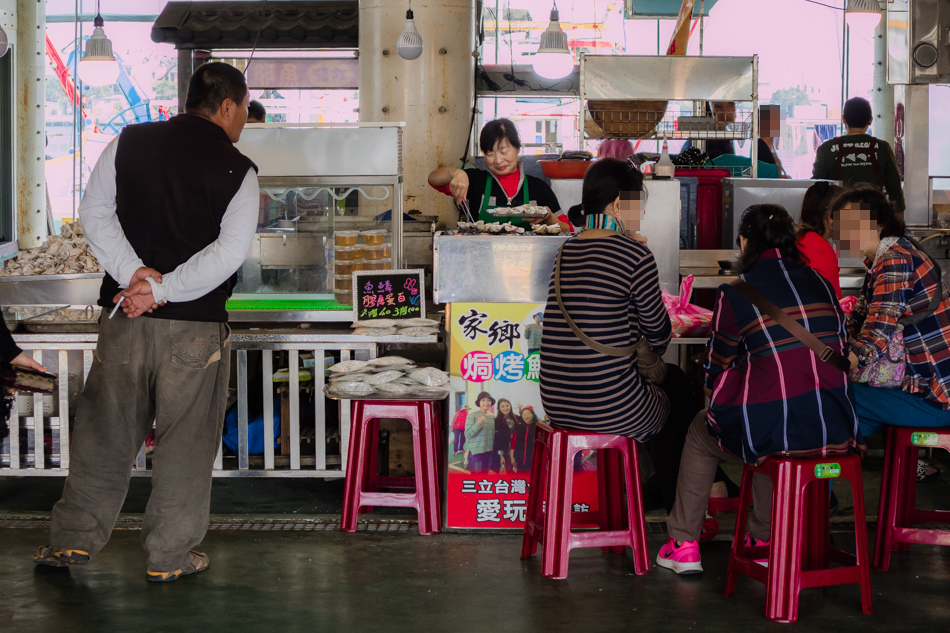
x,y
170,211
858,157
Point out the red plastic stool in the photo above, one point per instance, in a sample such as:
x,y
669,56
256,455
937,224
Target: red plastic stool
x,y
362,468
897,513
552,478
800,550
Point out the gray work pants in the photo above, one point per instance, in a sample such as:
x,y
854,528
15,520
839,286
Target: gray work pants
x,y
701,455
174,373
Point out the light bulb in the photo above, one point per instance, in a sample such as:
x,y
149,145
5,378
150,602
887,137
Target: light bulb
x,y
553,59
863,15
98,66
409,44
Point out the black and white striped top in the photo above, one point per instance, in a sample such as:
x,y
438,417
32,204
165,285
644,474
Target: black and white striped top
x,y
611,289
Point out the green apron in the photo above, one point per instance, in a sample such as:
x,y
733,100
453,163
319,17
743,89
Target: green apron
x,y
486,217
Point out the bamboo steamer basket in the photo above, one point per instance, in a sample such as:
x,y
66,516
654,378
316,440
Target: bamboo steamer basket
x,y
627,118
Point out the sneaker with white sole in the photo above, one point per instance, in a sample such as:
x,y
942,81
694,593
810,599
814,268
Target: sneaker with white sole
x,y
682,559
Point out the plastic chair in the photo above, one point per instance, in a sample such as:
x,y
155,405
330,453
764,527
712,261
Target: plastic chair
x,y
897,513
550,515
800,546
363,482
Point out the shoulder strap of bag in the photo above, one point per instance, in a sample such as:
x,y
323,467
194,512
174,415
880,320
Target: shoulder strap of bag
x,y
914,319
588,341
794,328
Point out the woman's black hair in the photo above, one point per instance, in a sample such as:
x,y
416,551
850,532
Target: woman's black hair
x,y
816,205
882,211
767,226
606,179
498,130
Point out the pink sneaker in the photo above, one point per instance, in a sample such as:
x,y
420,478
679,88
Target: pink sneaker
x,y
683,559
750,543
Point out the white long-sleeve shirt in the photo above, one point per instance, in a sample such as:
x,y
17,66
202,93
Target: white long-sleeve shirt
x,y
203,272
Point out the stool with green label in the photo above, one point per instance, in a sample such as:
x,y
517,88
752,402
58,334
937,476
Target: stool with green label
x,y
898,513
799,551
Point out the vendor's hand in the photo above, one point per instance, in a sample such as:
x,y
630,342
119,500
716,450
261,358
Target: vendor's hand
x,y
459,185
137,299
26,361
853,358
144,272
548,219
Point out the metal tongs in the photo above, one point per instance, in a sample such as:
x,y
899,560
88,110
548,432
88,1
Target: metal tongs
x,y
468,212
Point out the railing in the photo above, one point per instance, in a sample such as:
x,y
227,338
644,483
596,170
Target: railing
x,y
35,458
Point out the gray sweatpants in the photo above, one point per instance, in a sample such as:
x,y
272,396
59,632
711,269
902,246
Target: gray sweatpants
x,y
701,455
145,369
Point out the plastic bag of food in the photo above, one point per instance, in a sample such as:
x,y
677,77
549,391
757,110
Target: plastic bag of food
x,y
419,331
375,331
349,366
418,322
385,376
389,361
429,376
375,323
345,388
687,319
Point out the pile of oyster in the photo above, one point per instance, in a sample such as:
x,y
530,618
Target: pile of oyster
x,y
65,253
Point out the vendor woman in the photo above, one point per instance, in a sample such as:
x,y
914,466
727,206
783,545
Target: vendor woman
x,y
504,184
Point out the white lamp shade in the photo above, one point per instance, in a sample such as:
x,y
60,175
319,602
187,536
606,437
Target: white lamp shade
x,y
98,72
4,42
409,45
863,15
553,65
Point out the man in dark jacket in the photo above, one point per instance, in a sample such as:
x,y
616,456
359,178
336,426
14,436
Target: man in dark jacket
x,y
858,157
170,212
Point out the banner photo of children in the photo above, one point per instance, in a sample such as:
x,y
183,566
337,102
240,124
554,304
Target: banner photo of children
x,y
495,367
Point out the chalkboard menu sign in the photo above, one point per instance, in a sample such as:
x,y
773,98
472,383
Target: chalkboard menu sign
x,y
388,294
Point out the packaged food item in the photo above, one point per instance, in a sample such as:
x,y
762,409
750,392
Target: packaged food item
x,y
389,361
347,253
374,237
418,322
386,323
385,376
375,331
345,238
378,251
429,376
348,266
343,297
419,331
385,263
346,389
343,282
348,366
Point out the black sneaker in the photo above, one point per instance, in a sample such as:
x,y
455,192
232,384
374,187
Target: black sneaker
x,y
46,555
196,562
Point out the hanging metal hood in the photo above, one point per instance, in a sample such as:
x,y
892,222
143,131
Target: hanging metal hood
x,y
918,42
235,25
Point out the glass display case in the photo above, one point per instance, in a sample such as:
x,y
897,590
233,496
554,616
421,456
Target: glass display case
x,y
330,205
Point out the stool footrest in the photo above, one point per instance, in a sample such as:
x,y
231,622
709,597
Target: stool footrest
x,y
920,536
388,499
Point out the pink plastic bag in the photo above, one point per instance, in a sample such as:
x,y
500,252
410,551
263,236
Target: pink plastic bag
x,y
688,320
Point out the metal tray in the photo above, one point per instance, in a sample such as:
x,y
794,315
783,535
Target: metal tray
x,y
19,313
513,212
67,320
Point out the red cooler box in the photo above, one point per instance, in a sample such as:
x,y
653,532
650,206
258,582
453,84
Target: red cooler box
x,y
708,204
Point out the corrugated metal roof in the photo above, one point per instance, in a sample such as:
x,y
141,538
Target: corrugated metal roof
x,y
234,25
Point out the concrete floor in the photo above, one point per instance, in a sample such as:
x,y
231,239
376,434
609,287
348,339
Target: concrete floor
x,y
316,578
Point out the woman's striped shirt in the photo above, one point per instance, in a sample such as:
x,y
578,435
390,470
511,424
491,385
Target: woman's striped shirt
x,y
611,290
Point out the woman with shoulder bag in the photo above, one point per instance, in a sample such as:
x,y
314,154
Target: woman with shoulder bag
x,y
900,327
604,297
777,378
